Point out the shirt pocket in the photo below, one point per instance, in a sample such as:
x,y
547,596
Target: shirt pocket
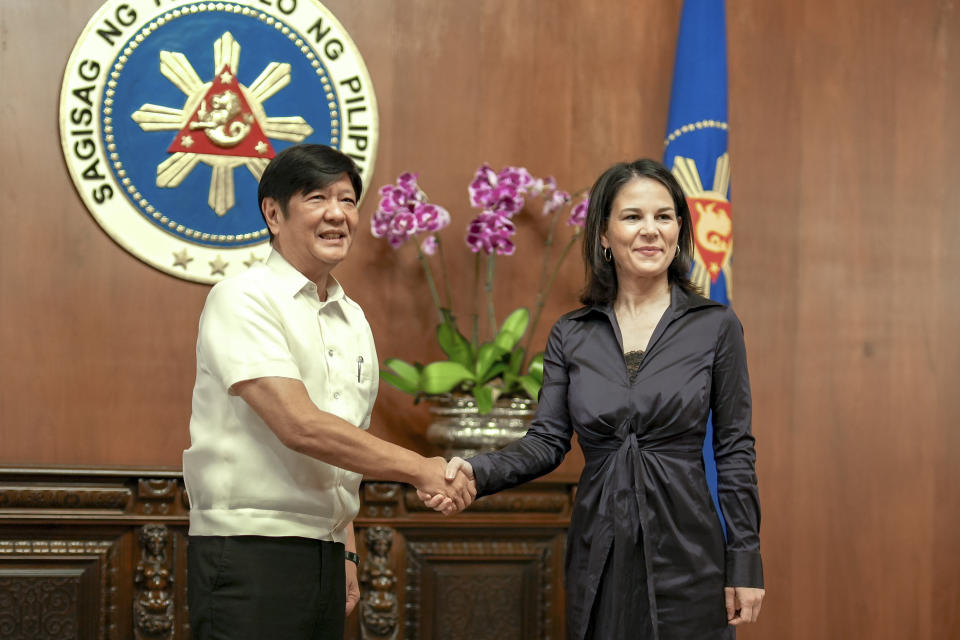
x,y
365,374
363,364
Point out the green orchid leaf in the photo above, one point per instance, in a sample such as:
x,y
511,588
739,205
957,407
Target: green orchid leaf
x,y
507,340
484,397
531,386
535,369
400,383
454,344
516,361
409,373
517,321
512,329
488,354
441,377
493,372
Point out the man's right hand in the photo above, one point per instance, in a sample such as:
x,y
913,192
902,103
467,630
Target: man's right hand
x,y
446,491
456,471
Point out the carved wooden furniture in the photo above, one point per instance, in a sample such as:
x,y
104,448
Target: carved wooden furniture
x,y
101,553
92,553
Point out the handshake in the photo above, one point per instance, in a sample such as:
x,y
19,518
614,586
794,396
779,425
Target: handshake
x,y
447,487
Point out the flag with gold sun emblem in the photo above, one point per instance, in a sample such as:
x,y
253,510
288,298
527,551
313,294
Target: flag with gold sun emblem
x,y
696,152
696,142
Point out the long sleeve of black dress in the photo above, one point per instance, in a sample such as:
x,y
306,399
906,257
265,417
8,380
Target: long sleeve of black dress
x,y
733,449
546,442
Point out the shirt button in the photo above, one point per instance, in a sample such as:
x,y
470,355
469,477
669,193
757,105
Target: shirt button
x,y
330,352
336,396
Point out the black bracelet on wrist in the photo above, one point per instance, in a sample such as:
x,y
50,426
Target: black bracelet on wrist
x,y
352,557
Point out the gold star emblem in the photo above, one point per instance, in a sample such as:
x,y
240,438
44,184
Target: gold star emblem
x,y
218,267
261,147
180,259
252,261
186,141
226,78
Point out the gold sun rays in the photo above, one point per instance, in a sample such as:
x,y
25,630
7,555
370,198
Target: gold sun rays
x,y
226,51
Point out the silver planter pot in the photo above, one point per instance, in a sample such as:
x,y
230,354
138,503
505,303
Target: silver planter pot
x,y
460,430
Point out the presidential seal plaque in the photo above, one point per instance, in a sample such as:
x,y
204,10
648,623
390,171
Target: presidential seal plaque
x,y
171,109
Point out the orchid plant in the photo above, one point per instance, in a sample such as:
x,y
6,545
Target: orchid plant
x,y
499,365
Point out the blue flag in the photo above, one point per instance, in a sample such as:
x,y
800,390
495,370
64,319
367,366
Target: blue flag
x,y
696,153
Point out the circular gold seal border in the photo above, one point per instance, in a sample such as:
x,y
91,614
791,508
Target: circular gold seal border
x,y
117,24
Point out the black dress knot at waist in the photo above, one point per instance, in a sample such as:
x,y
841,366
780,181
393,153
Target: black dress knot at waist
x,y
624,537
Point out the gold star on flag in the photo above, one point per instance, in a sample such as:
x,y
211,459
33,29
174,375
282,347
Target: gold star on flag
x,y
180,259
226,78
186,141
218,267
261,147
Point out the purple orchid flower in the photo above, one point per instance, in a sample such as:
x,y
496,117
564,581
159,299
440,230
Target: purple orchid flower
x,y
430,217
540,186
404,212
555,200
578,216
490,232
402,226
505,200
429,245
408,182
517,177
483,183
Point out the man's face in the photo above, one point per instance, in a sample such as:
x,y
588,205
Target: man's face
x,y
317,231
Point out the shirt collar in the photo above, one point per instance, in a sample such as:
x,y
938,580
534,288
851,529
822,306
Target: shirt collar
x,y
293,282
680,302
683,301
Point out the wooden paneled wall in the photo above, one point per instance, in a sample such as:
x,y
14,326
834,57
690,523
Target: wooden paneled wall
x,y
845,152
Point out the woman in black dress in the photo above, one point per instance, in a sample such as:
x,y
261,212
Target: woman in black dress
x,y
635,373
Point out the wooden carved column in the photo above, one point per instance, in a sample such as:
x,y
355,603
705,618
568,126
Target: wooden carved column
x,y
379,605
379,610
153,597
159,580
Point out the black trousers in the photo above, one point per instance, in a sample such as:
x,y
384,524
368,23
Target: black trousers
x,y
261,588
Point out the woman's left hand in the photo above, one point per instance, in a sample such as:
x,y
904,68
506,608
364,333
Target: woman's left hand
x,y
743,604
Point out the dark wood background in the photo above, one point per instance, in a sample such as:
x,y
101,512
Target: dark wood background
x,y
844,147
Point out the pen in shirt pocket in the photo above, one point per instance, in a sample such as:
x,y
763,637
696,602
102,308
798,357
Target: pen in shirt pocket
x,y
359,367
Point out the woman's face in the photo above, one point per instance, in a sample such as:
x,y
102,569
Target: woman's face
x,y
643,230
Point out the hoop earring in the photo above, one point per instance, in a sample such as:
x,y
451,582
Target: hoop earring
x,y
678,251
607,254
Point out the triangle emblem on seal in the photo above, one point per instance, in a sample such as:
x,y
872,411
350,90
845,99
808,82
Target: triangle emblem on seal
x,y
223,124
